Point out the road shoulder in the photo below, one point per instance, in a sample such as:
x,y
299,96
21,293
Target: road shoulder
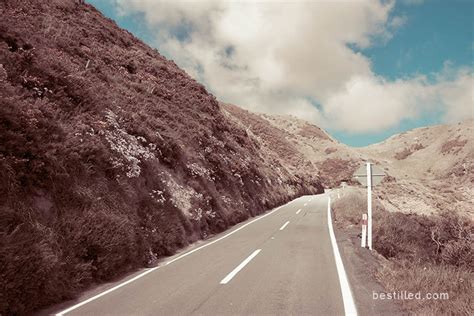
x,y
361,266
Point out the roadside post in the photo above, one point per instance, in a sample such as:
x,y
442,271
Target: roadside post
x,y
369,175
369,205
364,231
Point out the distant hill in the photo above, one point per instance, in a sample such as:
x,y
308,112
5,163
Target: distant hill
x,y
429,170
110,155
432,169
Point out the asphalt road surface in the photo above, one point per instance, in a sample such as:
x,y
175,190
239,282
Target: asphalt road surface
x,y
281,263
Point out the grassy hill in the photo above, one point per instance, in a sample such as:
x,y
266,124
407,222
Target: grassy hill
x,y
432,169
299,146
110,156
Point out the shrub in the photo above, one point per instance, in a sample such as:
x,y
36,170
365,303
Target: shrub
x,y
453,145
30,258
408,151
402,235
106,241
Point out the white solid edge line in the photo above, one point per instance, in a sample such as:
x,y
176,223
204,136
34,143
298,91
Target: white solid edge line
x,y
239,267
349,305
167,263
298,211
106,292
284,225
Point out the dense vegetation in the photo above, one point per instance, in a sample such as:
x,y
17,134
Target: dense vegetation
x,y
297,145
110,156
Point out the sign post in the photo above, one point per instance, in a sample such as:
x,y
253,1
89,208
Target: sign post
x,y
369,175
369,205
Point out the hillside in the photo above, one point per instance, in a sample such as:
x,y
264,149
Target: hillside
x,y
300,146
429,170
111,156
432,169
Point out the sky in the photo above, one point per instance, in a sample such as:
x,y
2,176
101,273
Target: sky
x,y
362,70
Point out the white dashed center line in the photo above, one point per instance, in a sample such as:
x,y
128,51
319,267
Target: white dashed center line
x,y
240,267
284,225
298,211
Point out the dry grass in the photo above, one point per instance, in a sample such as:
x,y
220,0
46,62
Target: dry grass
x,y
349,209
313,132
427,254
425,278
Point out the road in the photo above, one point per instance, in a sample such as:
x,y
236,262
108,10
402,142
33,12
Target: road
x,y
281,263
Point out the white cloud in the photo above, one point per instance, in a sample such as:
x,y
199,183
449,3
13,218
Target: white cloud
x,y
398,21
279,57
458,96
368,104
371,104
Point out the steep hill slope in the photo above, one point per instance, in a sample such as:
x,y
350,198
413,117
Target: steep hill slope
x,y
299,146
110,155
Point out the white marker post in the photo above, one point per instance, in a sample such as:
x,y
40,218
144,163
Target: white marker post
x,y
369,175
364,231
369,205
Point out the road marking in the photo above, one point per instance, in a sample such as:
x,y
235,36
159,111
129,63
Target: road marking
x,y
298,211
305,204
106,292
167,263
349,306
284,225
240,267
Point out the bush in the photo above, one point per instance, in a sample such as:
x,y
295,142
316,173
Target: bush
x,y
107,242
453,235
405,236
30,258
445,238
